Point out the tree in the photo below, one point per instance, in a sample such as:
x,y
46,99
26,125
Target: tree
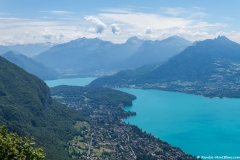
x,y
13,147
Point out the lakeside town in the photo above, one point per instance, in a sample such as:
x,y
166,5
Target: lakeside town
x,y
223,82
106,136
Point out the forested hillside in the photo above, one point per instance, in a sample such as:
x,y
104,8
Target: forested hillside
x,y
26,107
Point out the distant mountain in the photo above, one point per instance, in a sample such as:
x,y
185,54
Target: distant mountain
x,y
133,43
156,51
26,107
88,55
31,50
31,66
210,68
84,55
201,61
5,49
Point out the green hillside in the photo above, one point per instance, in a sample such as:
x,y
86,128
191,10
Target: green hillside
x,y
26,107
99,96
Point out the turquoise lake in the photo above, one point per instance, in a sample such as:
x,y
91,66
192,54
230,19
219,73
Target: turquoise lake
x,y
199,126
70,81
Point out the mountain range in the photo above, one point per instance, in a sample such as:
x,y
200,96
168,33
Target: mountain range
x,y
210,68
91,57
31,66
83,56
31,50
5,49
156,51
87,55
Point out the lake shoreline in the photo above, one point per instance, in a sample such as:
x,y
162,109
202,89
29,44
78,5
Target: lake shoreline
x,y
135,119
190,120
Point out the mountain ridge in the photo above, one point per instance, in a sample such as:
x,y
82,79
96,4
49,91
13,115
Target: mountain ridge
x,y
31,66
89,56
5,49
156,51
208,68
31,49
86,55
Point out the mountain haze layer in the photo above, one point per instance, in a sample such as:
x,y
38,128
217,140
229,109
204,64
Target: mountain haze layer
x,y
87,55
5,49
31,66
31,50
94,56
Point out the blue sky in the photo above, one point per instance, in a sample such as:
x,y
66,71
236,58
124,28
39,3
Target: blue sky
x,y
58,21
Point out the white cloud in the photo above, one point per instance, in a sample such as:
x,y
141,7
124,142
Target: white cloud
x,y
233,35
22,31
148,30
61,36
91,30
173,11
143,20
206,26
57,12
192,24
100,26
189,13
187,23
47,34
60,12
115,29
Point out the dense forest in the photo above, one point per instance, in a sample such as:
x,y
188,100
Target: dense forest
x,y
26,107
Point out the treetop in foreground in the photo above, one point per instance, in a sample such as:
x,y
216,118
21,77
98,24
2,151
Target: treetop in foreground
x,y
14,147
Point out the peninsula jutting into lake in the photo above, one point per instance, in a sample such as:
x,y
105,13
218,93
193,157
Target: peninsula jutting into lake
x,y
104,134
185,121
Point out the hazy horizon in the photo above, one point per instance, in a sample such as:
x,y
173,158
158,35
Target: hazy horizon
x,y
26,21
